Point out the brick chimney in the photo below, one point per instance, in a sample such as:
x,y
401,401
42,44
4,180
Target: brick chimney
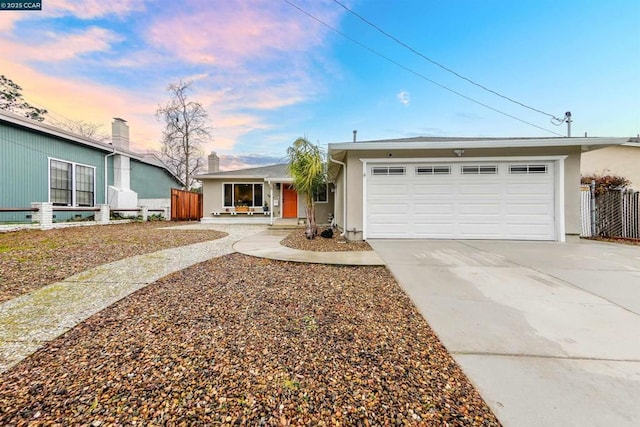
x,y
214,162
120,133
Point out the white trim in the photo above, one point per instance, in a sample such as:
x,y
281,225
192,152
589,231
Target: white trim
x,y
559,180
559,199
364,198
73,180
457,143
460,159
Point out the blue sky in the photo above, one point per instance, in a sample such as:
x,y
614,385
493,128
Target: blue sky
x,y
268,73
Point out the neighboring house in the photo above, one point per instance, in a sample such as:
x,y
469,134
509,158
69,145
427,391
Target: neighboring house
x,y
460,188
261,194
621,160
42,163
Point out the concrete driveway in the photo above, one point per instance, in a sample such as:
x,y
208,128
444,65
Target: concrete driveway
x,y
549,333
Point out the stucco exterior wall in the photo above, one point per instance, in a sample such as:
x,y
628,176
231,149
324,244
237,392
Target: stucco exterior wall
x,y
618,160
355,178
213,197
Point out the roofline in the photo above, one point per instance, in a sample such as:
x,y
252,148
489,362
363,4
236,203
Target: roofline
x,y
25,122
259,177
444,143
37,126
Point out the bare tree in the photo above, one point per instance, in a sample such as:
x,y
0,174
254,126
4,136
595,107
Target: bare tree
x,y
11,100
186,129
86,129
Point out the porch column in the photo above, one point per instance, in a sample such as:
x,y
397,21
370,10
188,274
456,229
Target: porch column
x,y
102,216
271,202
44,214
144,211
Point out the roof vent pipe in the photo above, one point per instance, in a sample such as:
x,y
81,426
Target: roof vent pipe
x,y
355,132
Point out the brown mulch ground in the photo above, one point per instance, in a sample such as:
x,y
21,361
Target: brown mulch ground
x,y
240,340
297,240
30,259
622,240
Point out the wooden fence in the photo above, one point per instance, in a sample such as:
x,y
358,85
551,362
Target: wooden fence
x,y
185,205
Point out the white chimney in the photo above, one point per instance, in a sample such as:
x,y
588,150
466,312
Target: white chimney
x,y
120,133
120,193
214,162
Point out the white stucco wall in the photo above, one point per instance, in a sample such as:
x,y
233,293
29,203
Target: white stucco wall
x,y
618,160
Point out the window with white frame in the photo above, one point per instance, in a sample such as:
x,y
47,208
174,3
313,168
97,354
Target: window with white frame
x,y
433,170
388,170
243,194
321,195
479,170
71,184
527,169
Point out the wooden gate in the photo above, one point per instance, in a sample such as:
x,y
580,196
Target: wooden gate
x,y
185,205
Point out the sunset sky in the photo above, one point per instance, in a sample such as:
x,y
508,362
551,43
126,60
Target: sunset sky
x,y
267,72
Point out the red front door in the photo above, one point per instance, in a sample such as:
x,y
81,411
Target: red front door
x,y
289,202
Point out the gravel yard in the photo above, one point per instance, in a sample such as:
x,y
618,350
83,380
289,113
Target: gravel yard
x,y
297,240
240,340
30,259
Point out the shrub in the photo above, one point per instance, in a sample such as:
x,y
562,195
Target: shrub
x,y
605,183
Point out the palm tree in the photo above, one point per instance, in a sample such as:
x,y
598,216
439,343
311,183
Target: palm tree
x,y
307,168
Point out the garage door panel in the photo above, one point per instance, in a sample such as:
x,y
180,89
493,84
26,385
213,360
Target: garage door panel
x,y
479,209
433,229
528,231
530,189
529,209
479,189
400,209
389,189
500,205
433,208
480,230
433,189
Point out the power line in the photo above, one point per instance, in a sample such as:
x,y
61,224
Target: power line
x,y
422,76
400,42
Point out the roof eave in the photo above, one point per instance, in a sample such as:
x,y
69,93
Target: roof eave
x,y
338,148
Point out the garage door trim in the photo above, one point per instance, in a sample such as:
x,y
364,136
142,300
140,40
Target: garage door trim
x,y
558,180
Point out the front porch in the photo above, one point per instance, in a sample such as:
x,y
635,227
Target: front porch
x,y
254,219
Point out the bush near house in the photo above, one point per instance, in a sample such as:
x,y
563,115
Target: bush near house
x,y
605,183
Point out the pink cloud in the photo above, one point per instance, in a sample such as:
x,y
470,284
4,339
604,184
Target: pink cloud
x,y
77,99
233,32
86,9
59,47
89,9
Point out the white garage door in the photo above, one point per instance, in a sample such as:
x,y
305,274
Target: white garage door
x,y
461,200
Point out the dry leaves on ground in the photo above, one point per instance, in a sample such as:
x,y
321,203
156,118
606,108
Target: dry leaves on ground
x,y
247,341
619,240
297,240
30,259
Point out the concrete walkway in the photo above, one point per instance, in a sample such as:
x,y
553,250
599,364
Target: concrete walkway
x,y
267,245
549,333
31,320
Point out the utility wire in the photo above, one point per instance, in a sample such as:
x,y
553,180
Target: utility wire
x,y
404,67
400,42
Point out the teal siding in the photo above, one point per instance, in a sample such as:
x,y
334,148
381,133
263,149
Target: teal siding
x,y
151,182
24,169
